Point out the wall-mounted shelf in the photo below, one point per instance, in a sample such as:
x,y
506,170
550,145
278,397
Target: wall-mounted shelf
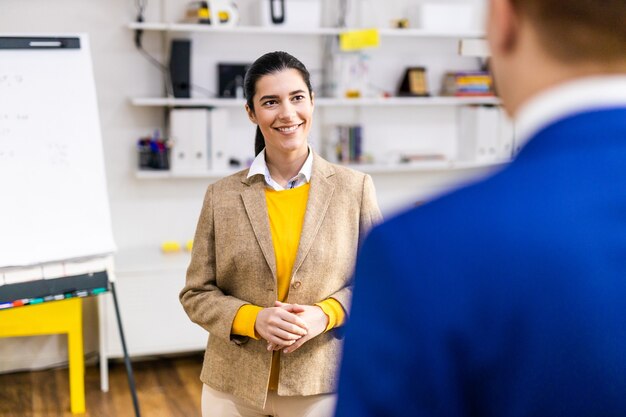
x,y
322,102
446,106
160,175
265,30
423,166
367,168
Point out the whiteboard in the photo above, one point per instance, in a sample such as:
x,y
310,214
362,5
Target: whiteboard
x,y
53,195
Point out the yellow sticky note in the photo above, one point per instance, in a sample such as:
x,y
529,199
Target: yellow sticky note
x,y
359,39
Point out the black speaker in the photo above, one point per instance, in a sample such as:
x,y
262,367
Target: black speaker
x,y
180,67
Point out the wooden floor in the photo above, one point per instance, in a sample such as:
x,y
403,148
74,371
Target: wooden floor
x,y
166,387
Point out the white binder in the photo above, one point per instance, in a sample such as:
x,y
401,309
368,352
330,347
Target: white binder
x,y
219,137
480,134
507,137
189,129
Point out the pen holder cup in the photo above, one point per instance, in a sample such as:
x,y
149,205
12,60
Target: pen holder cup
x,y
149,159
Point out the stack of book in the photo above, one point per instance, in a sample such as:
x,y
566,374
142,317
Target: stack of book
x,y
349,143
467,84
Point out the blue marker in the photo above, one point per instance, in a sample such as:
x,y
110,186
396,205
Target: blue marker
x,y
5,305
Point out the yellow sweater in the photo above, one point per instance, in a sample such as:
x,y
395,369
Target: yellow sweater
x,y
286,211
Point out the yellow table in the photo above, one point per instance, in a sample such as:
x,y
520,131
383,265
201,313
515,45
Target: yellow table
x,y
53,317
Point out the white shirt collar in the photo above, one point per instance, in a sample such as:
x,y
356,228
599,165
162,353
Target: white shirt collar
x,y
566,99
259,167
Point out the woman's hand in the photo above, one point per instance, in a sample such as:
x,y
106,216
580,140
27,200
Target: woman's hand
x,y
279,326
315,319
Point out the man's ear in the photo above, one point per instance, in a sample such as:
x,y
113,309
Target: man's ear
x,y
251,115
502,27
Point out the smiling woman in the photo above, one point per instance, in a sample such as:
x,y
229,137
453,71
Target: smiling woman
x,y
282,108
272,261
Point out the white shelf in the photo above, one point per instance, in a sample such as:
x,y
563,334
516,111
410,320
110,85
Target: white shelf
x,y
159,175
321,102
187,102
422,33
271,30
423,166
406,101
367,168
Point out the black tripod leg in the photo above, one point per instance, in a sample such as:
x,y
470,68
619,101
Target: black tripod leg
x,y
129,369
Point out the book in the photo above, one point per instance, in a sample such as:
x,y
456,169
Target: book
x,y
467,84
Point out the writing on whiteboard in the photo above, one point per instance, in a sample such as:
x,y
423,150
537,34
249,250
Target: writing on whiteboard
x,y
11,80
51,161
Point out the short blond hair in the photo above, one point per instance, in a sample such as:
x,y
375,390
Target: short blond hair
x,y
579,30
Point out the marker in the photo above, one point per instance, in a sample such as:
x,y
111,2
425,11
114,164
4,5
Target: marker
x,y
36,300
97,291
81,293
19,303
48,298
5,305
58,297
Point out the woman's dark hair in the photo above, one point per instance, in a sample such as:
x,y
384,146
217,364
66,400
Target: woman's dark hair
x,y
270,63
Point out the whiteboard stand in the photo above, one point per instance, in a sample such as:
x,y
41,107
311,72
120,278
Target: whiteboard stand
x,y
129,368
54,281
102,330
103,326
104,362
51,149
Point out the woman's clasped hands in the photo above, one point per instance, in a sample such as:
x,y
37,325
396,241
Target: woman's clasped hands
x,y
289,326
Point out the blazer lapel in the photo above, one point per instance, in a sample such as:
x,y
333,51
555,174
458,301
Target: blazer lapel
x,y
320,194
256,208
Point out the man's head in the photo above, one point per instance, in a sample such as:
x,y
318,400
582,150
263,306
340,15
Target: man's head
x,y
536,44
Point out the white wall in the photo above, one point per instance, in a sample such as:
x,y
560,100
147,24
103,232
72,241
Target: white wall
x,y
147,212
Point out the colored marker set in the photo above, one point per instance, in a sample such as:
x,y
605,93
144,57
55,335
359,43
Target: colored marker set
x,y
56,297
154,152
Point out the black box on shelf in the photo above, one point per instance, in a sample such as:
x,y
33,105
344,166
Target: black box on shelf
x,y
230,79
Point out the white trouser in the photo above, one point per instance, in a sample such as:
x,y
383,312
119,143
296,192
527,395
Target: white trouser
x,y
219,404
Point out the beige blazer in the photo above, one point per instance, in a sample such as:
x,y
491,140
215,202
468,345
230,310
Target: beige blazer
x,y
233,264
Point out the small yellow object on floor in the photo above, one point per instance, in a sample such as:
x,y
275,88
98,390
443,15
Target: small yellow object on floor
x,y
53,317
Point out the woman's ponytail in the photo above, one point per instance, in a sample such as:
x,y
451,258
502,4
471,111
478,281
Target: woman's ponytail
x,y
259,141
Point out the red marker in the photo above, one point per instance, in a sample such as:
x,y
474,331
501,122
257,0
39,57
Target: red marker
x,y
19,303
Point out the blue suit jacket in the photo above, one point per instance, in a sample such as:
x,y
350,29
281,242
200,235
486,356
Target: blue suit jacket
x,y
505,298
